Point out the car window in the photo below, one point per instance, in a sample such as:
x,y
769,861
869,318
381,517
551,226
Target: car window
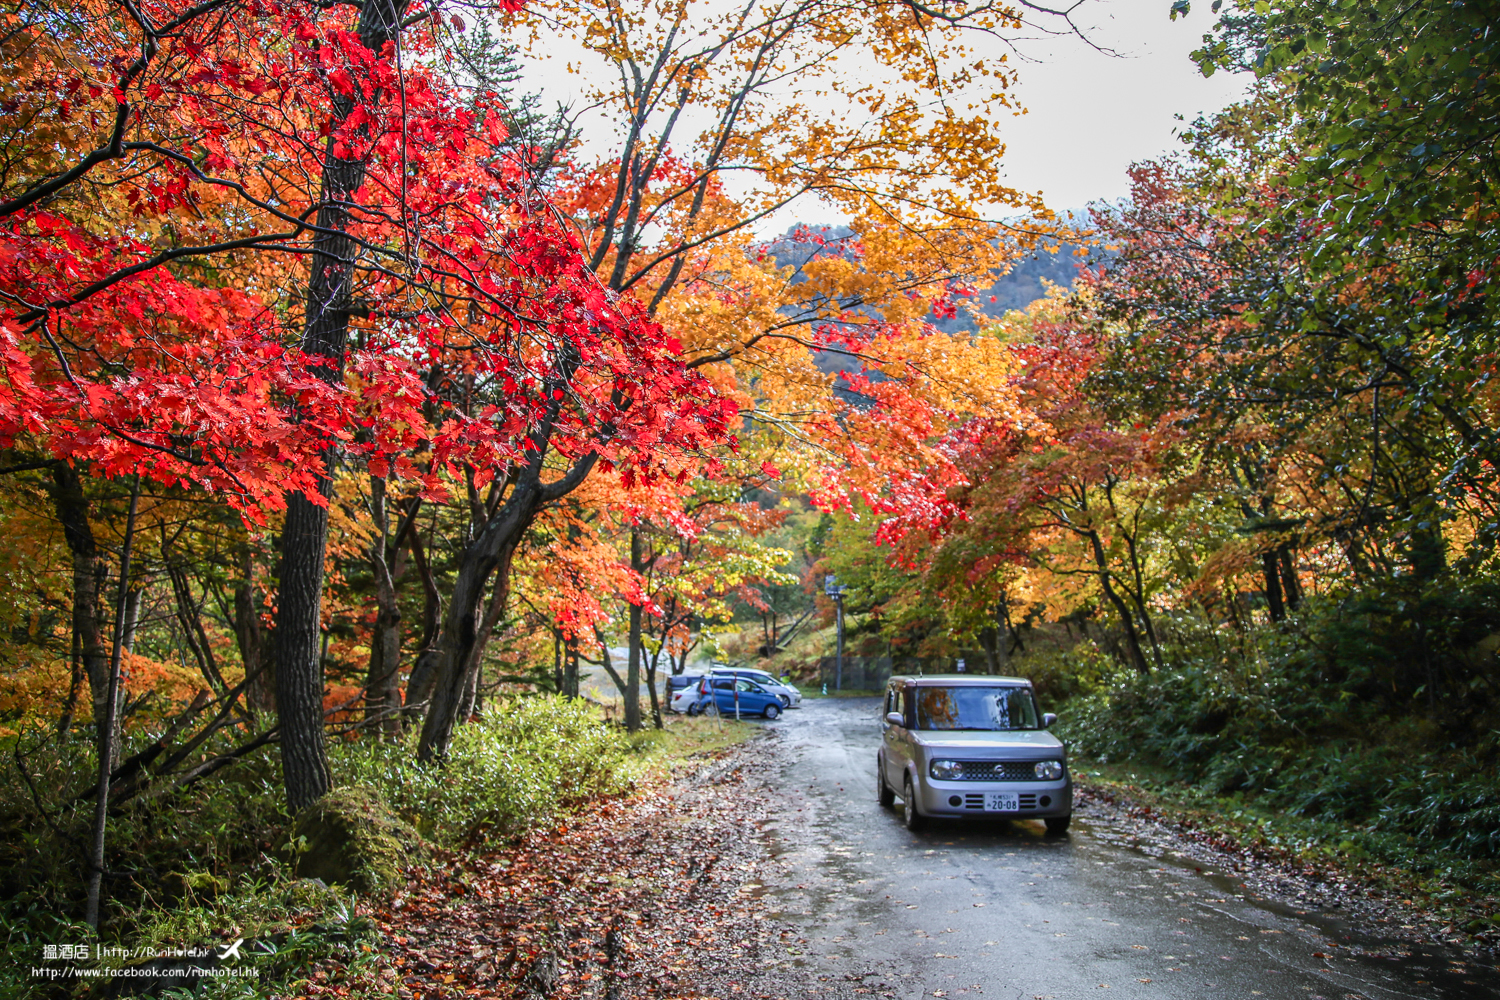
x,y
724,685
977,708
744,685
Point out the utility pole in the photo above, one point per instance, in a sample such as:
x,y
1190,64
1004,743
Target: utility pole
x,y
832,589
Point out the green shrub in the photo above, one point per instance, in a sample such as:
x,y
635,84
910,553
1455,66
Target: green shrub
x,y
1060,676
211,862
157,848
1371,709
527,762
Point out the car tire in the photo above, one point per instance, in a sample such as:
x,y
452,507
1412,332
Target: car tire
x,y
693,708
1057,825
884,795
909,811
772,711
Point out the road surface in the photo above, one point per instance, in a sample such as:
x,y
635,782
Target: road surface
x,y
1000,910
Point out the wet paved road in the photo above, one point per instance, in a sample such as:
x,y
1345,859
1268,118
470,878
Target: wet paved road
x,y
965,909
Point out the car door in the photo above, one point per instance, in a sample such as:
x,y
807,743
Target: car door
x,y
723,688
752,697
896,752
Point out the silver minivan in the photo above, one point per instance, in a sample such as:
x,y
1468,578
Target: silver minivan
x,y
970,745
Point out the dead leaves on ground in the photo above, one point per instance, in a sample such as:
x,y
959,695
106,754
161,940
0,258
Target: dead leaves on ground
x,y
638,896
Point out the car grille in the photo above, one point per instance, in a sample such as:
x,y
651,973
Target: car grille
x,y
997,770
1026,801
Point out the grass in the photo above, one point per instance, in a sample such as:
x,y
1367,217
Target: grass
x,y
688,736
814,691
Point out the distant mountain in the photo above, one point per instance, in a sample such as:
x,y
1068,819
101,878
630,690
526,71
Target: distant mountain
x,y
1024,283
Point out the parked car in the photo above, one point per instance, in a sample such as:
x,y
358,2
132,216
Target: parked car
x,y
790,696
682,691
969,745
737,695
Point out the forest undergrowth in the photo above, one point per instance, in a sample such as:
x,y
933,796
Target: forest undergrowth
x,y
1359,732
222,859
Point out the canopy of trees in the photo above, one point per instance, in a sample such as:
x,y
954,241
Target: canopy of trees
x,y
339,385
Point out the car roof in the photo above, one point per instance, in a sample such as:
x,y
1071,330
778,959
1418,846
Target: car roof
x,y
957,680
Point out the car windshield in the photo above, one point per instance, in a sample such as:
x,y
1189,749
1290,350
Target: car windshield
x,y
982,708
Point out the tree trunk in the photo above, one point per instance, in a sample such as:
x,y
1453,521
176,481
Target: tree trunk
x,y
608,663
451,661
299,664
490,552
423,671
656,719
1428,555
1127,620
632,691
260,692
132,617
1290,584
383,679
473,687
304,538
191,621
570,668
1271,569
990,640
70,708
88,570
109,749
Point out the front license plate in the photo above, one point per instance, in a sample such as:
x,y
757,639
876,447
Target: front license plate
x,y
1005,802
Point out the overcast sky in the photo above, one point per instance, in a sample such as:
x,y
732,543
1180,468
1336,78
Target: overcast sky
x,y
1092,115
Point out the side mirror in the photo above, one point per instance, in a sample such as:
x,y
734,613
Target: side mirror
x,y
1048,719
895,718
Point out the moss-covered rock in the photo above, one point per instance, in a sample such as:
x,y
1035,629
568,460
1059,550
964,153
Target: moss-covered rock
x,y
349,837
199,885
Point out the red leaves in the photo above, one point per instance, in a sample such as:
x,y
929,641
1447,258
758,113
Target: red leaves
x,y
174,373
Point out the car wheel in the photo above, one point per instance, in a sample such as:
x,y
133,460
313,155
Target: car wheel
x,y
1058,825
884,795
693,708
909,811
772,710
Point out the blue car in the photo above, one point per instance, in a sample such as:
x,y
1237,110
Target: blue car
x,y
725,692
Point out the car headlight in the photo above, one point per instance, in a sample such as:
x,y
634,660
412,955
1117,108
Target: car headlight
x,y
946,770
1049,770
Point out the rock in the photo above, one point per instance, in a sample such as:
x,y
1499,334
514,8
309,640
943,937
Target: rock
x,y
350,838
542,978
